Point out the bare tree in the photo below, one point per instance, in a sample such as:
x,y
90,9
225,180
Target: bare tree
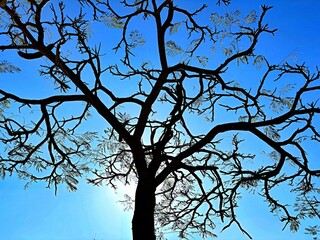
x,y
179,121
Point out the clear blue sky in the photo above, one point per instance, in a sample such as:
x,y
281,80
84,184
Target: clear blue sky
x,y
93,212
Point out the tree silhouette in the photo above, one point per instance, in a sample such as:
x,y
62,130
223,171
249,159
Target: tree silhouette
x,y
179,120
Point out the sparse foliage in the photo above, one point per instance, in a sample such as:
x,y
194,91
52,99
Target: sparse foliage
x,y
139,99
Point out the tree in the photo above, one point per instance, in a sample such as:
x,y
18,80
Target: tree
x,y
178,126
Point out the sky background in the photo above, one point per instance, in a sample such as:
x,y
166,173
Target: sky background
x,y
94,212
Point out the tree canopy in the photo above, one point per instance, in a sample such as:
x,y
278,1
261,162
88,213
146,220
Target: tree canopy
x,y
170,96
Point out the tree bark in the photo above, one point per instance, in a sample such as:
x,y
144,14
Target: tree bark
x,y
143,217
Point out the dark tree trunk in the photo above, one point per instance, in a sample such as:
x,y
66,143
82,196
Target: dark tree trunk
x,y
143,217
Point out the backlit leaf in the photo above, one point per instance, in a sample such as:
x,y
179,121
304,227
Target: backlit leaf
x,y
251,17
173,49
174,28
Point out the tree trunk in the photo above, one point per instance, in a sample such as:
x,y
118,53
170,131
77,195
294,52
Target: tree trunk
x,y
143,217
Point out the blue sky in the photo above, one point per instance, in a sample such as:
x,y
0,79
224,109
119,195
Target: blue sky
x,y
94,212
